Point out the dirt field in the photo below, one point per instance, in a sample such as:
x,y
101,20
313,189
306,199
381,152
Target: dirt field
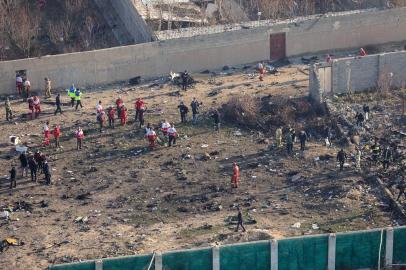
x,y
138,201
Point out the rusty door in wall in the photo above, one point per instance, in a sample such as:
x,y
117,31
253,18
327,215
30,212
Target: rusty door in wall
x,y
278,46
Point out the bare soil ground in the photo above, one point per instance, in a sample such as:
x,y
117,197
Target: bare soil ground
x,y
139,201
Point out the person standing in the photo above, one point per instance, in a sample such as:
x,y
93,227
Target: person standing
x,y
289,142
376,151
366,110
341,157
13,174
183,110
172,134
362,52
27,87
360,119
47,173
358,154
19,84
216,117
71,94
139,104
327,136
78,97
79,138
58,104
235,179
387,156
9,113
278,136
99,107
239,221
123,115
37,106
112,113
141,114
24,164
47,134
33,168
119,104
57,135
261,70
303,139
195,110
47,87
101,118
185,78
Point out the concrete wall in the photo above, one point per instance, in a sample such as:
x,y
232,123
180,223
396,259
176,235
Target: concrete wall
x,y
207,52
359,73
133,21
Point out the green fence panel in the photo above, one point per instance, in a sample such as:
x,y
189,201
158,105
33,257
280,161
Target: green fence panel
x,y
89,265
251,256
359,250
303,253
128,263
399,246
188,260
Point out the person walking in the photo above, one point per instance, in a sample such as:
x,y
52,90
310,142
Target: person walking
x,y
58,104
302,139
79,138
13,174
183,110
47,87
341,157
235,179
33,168
24,164
240,221
195,109
172,134
78,97
9,112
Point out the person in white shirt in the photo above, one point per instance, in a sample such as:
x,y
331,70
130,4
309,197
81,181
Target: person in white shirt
x,y
165,127
172,135
27,86
19,84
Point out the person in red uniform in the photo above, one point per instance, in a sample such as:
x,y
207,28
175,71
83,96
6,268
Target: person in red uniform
x,y
57,135
123,115
19,84
47,134
362,52
112,113
119,104
236,175
101,118
139,104
151,136
172,134
328,58
165,126
37,106
79,138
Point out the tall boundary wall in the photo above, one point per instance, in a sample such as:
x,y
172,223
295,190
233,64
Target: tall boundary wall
x,y
198,53
341,251
356,74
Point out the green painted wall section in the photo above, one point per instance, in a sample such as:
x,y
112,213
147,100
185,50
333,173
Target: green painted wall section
x,y
303,253
252,256
186,260
399,246
128,263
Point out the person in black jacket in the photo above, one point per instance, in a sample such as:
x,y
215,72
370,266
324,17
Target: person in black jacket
x,y
341,157
185,77
47,173
239,221
33,168
183,109
58,104
13,174
195,109
303,139
24,164
216,117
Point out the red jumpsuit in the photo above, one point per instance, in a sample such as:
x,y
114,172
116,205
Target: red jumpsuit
x,y
151,135
261,73
47,135
123,116
236,175
57,134
362,52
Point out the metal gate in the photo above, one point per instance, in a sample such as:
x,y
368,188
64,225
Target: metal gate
x,y
278,46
